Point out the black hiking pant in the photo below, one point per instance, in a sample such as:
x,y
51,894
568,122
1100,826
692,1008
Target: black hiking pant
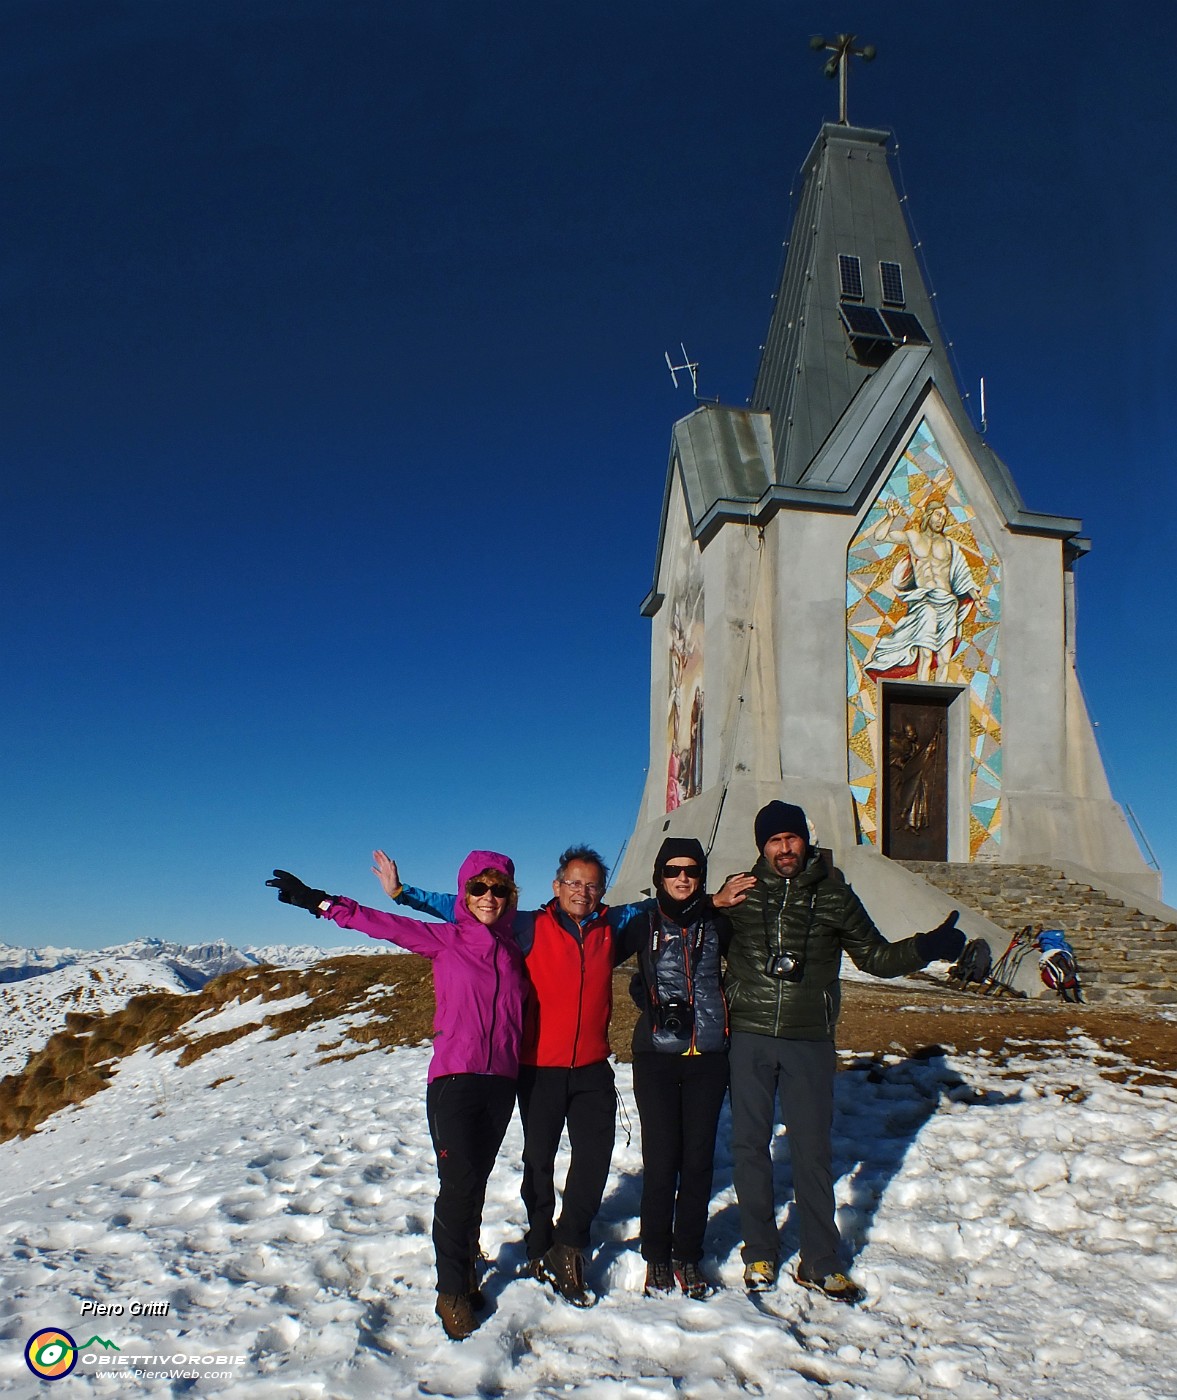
x,y
585,1100
468,1116
679,1098
801,1073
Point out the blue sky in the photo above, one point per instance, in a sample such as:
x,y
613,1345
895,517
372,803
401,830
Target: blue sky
x,y
335,417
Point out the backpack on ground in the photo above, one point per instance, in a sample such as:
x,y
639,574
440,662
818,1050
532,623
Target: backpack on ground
x,y
1057,965
973,965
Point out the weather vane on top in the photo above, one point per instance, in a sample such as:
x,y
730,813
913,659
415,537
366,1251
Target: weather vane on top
x,y
842,48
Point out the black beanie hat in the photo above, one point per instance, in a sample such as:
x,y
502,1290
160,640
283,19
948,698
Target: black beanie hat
x,y
778,818
676,848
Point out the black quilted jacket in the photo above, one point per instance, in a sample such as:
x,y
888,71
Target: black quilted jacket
x,y
814,916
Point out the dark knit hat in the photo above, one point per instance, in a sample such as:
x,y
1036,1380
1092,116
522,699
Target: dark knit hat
x,y
678,848
777,819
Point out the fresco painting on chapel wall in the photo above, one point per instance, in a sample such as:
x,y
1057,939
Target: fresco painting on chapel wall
x,y
684,726
923,606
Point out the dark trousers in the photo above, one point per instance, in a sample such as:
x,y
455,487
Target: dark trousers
x,y
585,1100
679,1098
801,1073
468,1116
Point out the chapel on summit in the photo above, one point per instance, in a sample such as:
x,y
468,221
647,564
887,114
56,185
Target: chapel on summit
x,y
852,608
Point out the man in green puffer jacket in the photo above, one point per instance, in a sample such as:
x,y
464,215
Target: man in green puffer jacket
x,y
792,919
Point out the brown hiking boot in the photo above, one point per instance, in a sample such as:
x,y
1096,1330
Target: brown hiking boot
x,y
457,1316
563,1267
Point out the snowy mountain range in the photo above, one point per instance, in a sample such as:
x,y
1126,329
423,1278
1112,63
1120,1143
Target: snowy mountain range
x,y
193,964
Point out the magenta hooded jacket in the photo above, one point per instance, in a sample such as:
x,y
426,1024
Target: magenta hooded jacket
x,y
479,979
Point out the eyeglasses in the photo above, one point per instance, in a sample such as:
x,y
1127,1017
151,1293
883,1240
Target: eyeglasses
x,y
480,887
672,872
577,886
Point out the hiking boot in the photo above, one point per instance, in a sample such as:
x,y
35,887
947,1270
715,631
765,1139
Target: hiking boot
x,y
478,1266
841,1287
692,1281
760,1275
457,1317
563,1267
659,1281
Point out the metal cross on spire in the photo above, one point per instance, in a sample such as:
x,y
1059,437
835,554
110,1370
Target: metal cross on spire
x,y
842,48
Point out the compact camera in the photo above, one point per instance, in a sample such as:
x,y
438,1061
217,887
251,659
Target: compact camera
x,y
674,1017
785,967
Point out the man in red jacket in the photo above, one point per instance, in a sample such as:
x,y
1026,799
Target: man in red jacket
x,y
565,1078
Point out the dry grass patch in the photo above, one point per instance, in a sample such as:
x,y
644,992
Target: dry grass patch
x,y
879,1017
194,1049
391,998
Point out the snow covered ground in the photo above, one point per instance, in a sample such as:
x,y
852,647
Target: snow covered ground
x,y
1013,1226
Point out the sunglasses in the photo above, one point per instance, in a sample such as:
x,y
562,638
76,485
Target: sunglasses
x,y
480,887
671,872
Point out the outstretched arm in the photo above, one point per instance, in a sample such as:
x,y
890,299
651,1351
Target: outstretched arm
x,y
874,954
889,527
406,933
417,937
424,901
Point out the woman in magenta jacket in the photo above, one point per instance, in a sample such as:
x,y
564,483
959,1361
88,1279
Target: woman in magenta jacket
x,y
481,988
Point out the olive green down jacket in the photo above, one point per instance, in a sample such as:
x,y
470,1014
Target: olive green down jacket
x,y
814,917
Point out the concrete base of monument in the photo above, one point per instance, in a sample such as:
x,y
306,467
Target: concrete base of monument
x,y
723,819
904,898
899,901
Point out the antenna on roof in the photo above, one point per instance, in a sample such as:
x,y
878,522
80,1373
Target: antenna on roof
x,y
691,367
984,415
842,47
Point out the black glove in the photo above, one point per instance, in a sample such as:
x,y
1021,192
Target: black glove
x,y
942,944
291,890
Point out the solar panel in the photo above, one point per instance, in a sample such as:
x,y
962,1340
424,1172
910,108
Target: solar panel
x,y
864,323
850,271
891,277
905,325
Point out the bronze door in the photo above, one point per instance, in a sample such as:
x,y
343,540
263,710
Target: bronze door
x,y
915,782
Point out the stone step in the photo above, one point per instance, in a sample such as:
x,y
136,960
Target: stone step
x,y
1124,955
1130,996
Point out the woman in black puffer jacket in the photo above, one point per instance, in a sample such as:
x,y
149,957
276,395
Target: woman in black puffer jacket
x,y
680,1048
